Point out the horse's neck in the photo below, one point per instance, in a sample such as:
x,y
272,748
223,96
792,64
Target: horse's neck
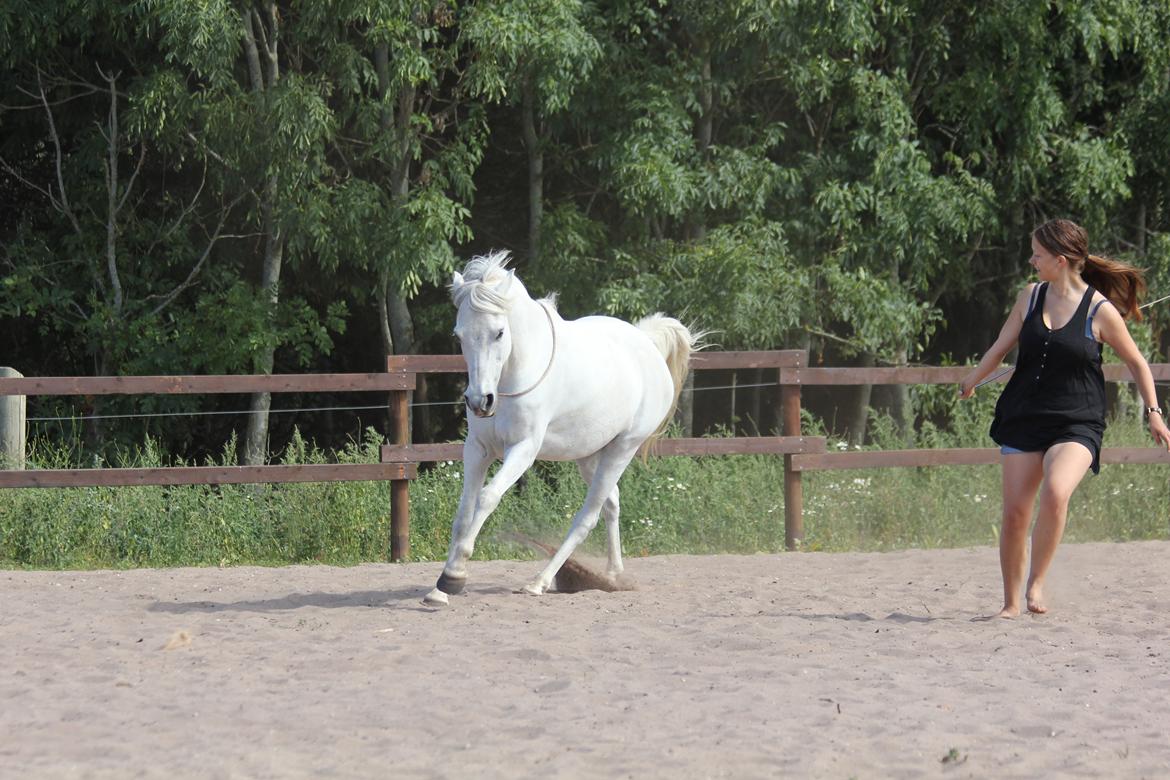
x,y
532,343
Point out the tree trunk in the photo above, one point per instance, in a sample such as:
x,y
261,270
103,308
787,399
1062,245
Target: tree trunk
x,y
382,298
535,174
900,402
256,436
395,325
401,325
264,75
859,415
115,299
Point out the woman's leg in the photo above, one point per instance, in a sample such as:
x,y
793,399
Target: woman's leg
x,y
1022,473
1065,465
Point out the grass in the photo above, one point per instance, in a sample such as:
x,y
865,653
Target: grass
x,y
730,504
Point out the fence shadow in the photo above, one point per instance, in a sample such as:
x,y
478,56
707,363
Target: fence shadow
x,y
320,600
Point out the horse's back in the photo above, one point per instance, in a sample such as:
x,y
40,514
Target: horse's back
x,y
611,346
613,378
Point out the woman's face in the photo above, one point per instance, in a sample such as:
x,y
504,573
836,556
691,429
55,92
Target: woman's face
x,y
1047,265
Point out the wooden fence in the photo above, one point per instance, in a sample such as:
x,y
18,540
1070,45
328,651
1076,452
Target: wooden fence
x,y
400,458
212,475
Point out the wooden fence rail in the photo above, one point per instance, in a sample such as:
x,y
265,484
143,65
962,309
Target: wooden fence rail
x,y
400,458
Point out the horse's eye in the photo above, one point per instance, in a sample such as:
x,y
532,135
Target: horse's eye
x,y
500,335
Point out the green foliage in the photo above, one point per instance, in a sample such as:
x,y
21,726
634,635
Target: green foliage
x,y
539,42
764,294
857,176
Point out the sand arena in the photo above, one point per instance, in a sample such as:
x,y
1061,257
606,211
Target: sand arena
x,y
801,665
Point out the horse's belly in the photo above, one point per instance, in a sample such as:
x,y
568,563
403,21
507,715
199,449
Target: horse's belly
x,y
561,443
584,431
570,436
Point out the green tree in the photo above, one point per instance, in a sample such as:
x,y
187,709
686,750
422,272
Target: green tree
x,y
534,53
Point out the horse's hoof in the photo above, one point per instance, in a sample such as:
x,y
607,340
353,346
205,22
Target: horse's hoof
x,y
450,585
436,598
533,589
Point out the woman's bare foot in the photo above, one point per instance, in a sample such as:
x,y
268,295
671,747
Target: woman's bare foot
x,y
1009,611
1036,600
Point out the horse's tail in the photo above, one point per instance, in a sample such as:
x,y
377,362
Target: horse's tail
x,y
676,343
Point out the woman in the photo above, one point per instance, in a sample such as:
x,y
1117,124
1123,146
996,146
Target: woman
x,y
1050,417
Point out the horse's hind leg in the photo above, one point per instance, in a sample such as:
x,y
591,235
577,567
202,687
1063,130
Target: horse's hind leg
x,y
610,511
612,461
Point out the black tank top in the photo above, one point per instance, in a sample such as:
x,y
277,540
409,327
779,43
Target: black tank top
x,y
1057,392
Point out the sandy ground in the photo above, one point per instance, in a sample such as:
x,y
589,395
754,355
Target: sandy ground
x,y
799,665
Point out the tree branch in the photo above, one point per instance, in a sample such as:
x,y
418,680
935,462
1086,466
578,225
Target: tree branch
x,y
31,185
211,152
89,90
216,235
133,176
65,208
183,213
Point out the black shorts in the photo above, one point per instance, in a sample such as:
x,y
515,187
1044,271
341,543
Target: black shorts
x,y
1091,444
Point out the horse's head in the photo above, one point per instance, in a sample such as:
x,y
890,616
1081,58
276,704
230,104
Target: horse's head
x,y
483,296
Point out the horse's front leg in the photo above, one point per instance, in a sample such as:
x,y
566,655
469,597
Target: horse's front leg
x,y
454,576
518,459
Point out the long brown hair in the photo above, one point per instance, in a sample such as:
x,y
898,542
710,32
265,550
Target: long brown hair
x,y
1120,282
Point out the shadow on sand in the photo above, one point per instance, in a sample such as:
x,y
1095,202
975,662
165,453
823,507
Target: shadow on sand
x,y
361,598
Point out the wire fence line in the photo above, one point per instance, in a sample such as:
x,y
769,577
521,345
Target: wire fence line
x,y
296,410
201,414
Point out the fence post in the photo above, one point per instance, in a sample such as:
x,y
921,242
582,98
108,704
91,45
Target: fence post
x,y
790,422
12,425
400,488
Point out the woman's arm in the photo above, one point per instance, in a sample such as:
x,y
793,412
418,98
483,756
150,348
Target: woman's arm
x,y
1009,334
1113,331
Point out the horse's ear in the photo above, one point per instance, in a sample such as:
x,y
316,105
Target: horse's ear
x,y
456,282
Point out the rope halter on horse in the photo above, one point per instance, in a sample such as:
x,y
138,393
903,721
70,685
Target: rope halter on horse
x,y
544,308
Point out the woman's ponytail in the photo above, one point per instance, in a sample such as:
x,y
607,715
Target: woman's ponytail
x,y
1120,282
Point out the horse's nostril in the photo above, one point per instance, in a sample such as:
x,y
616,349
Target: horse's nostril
x,y
489,401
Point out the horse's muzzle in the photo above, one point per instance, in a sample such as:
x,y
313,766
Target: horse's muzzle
x,y
486,407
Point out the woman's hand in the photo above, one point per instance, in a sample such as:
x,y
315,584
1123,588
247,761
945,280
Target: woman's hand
x,y
967,386
1159,430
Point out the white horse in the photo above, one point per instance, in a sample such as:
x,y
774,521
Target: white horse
x,y
593,390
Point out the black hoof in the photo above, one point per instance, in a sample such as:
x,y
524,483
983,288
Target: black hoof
x,y
450,585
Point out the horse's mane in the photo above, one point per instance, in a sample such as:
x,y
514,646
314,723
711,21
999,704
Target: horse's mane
x,y
478,288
